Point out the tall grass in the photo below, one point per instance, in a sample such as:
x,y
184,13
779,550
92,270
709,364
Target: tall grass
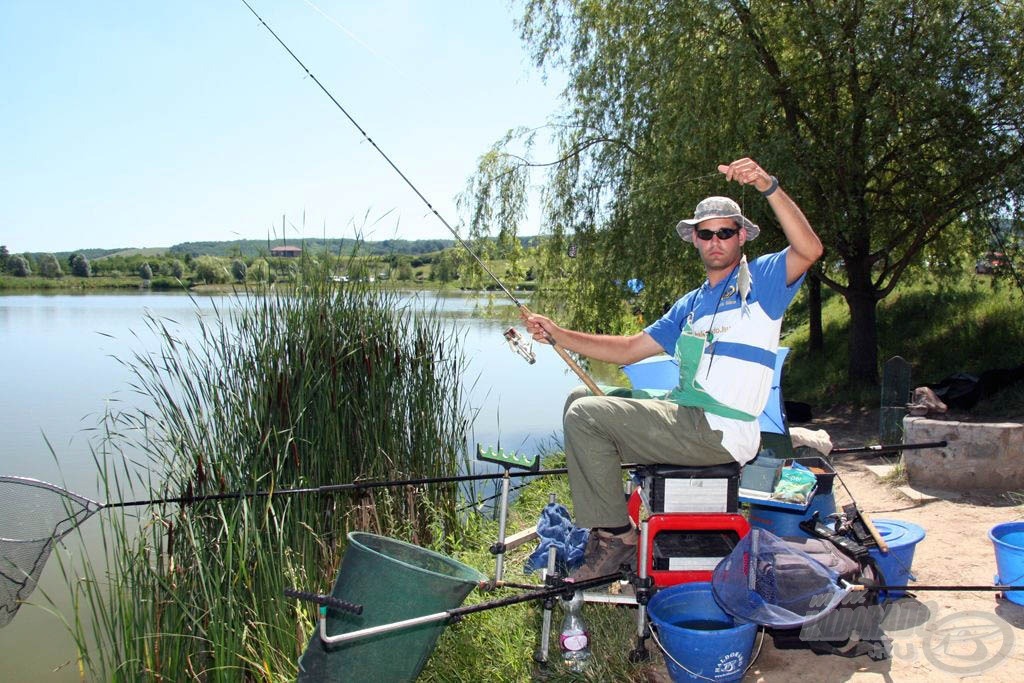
x,y
324,383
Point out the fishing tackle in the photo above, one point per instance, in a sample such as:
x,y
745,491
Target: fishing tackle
x,y
520,345
524,311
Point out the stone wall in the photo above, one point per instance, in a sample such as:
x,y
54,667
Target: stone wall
x,y
979,456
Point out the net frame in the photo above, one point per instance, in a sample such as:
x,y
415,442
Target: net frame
x,y
786,589
43,514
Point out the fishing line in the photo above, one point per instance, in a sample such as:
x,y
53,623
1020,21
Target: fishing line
x,y
521,306
386,158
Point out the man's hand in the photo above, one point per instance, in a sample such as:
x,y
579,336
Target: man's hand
x,y
745,171
540,328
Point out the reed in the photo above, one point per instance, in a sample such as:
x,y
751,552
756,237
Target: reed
x,y
323,383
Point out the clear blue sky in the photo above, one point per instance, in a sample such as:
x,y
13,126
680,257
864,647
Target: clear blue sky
x,y
145,123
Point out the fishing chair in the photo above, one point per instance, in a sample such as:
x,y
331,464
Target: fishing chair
x,y
693,519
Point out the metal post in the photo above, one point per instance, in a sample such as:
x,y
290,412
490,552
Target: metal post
x,y
499,561
639,653
541,653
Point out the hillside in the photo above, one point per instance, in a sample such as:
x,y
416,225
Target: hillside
x,y
251,248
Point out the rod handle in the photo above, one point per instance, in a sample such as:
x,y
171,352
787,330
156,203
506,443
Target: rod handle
x,y
564,355
882,545
325,600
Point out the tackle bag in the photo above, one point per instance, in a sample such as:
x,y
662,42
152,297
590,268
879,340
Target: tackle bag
x,y
854,626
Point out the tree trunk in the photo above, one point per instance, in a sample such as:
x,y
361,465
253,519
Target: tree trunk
x,y
863,338
817,336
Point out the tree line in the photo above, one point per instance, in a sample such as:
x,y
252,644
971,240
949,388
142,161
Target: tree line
x,y
168,269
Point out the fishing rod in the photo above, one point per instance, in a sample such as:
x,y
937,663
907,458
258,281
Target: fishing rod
x,y
524,311
41,514
888,448
564,589
7,482
952,588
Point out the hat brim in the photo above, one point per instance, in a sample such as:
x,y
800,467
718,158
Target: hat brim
x,y
685,227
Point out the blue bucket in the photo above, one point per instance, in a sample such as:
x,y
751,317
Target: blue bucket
x,y
699,635
782,522
901,538
1008,539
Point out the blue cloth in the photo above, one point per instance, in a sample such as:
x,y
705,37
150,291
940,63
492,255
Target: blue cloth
x,y
555,529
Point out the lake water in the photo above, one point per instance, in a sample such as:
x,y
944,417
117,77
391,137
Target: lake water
x,y
60,370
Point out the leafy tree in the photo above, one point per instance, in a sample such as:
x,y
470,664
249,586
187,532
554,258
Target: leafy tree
x,y
260,270
405,270
891,123
445,267
238,270
146,272
49,266
80,266
176,269
210,269
5,257
19,267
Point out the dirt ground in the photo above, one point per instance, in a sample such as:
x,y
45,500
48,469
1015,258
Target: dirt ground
x,y
938,635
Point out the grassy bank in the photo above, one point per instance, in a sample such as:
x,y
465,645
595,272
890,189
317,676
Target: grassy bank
x,y
941,328
499,644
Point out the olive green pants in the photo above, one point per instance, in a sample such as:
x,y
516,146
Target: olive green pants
x,y
602,432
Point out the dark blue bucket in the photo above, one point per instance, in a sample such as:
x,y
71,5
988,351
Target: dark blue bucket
x,y
1008,540
902,538
783,522
707,643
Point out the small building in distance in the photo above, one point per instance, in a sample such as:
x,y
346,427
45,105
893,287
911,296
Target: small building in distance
x,y
286,251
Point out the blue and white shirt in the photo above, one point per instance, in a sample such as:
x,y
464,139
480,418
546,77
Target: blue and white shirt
x,y
737,367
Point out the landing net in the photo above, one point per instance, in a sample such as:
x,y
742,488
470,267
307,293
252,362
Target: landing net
x,y
36,516
765,581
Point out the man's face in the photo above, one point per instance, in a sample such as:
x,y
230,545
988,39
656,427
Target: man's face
x,y
717,253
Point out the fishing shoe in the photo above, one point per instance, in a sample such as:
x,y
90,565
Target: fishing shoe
x,y
606,553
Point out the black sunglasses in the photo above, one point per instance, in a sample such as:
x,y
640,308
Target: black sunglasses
x,y
723,234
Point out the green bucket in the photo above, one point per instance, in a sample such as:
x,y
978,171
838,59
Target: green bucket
x,y
393,581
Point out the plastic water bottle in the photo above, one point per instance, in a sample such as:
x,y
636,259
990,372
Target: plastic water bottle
x,y
574,639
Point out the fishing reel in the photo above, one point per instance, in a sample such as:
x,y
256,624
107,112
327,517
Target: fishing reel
x,y
520,345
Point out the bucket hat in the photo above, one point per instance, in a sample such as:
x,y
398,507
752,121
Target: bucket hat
x,y
715,207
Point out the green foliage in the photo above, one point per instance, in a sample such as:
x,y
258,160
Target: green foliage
x,y
238,270
251,248
19,267
259,271
5,257
210,270
941,327
404,270
892,124
146,272
80,266
49,266
324,384
176,269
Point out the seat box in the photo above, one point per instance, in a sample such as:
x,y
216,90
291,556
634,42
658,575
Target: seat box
x,y
672,488
686,547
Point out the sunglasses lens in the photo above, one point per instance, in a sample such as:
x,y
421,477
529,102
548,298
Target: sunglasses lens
x,y
723,234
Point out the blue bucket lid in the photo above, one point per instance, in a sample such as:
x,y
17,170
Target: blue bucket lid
x,y
899,533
